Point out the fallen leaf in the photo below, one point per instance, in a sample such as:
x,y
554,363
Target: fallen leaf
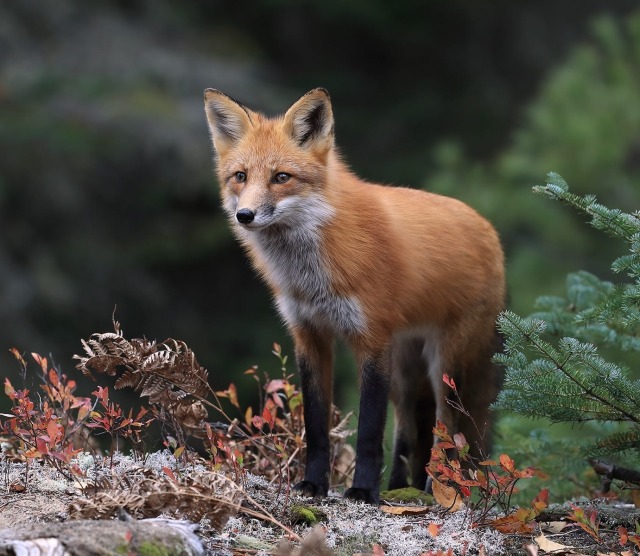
x,y
448,497
17,487
405,510
531,549
434,529
553,526
512,524
547,545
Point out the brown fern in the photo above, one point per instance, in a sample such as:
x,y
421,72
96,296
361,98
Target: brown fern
x,y
143,492
167,373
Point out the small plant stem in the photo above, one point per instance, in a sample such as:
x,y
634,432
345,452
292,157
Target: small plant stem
x,y
265,515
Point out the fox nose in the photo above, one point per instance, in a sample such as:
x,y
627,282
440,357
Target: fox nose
x,y
245,216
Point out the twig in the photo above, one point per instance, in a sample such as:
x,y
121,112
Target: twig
x,y
608,472
266,516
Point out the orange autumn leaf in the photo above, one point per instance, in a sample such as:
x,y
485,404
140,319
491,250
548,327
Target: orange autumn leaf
x,y
514,523
233,395
9,390
18,356
434,529
448,497
404,510
541,501
507,463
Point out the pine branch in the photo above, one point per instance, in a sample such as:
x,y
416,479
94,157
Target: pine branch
x,y
569,381
525,333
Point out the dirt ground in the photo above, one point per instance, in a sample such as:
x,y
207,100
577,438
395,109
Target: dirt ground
x,y
349,528
32,507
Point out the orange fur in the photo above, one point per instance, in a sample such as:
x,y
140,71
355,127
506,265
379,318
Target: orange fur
x,y
410,279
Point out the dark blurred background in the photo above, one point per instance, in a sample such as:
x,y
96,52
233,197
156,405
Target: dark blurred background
x,y
107,194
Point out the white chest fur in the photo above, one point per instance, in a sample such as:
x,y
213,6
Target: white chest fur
x,y
291,252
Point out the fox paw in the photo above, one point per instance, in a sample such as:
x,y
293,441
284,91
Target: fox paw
x,y
308,488
362,495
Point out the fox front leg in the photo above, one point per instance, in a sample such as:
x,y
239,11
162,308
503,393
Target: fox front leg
x,y
314,359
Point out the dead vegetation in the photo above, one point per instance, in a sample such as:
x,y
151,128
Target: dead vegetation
x,y
239,487
143,492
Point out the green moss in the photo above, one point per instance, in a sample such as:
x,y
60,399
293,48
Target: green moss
x,y
408,494
149,548
307,515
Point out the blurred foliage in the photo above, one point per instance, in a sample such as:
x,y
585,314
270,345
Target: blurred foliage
x,y
585,124
557,367
107,196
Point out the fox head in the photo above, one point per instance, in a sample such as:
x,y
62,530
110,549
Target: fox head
x,y
271,170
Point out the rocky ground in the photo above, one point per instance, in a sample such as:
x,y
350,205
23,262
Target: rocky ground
x,y
263,518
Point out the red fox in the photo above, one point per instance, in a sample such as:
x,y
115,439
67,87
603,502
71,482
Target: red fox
x,y
412,281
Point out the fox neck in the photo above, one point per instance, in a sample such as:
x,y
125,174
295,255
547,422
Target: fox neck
x,y
291,259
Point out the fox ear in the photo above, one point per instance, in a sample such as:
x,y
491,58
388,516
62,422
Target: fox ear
x,y
228,120
310,121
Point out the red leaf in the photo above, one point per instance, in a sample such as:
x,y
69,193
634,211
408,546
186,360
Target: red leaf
x,y
53,378
52,431
541,501
268,417
624,535
169,473
449,382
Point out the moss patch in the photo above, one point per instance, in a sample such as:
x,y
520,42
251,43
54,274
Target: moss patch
x,y
408,494
307,515
149,548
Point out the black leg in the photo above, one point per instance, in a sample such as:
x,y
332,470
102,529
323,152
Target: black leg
x,y
399,469
374,396
316,419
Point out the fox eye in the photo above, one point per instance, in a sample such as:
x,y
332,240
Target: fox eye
x,y
240,177
282,177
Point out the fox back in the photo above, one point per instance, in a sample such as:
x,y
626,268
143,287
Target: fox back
x,y
413,281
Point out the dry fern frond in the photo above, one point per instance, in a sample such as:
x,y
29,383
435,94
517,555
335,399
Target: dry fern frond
x,y
168,373
147,493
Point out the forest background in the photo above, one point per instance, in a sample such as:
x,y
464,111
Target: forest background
x,y
107,192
